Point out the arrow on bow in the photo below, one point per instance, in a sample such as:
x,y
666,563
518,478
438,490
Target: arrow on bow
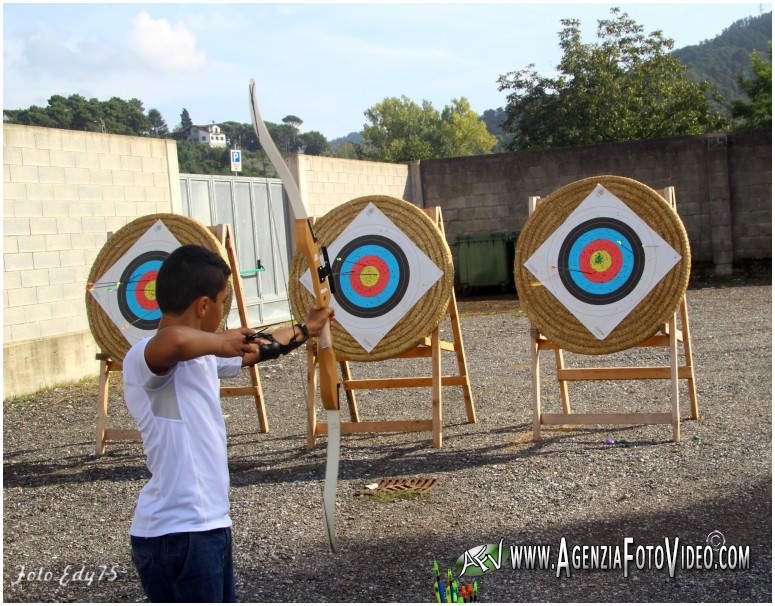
x,y
320,273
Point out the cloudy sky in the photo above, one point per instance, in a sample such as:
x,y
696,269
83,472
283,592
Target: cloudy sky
x,y
325,63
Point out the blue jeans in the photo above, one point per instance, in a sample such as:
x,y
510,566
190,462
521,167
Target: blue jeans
x,y
186,566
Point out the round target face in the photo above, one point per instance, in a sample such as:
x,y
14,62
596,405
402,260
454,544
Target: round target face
x,y
601,261
137,290
372,275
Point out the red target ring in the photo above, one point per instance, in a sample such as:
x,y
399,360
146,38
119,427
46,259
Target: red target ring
x,y
370,276
145,295
600,260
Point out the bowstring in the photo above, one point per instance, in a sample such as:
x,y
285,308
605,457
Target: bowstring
x,y
274,234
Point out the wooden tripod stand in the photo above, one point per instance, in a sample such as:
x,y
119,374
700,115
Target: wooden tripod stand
x,y
429,346
669,336
106,434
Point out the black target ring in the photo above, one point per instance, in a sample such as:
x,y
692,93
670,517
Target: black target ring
x,y
372,276
137,290
620,265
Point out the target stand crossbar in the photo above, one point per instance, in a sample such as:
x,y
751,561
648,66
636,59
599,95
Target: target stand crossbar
x,y
108,365
430,346
669,335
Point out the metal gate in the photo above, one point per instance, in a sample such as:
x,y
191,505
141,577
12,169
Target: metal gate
x,y
257,212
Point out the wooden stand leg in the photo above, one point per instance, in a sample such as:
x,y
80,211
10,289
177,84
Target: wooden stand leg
x,y
674,379
436,387
263,423
535,363
689,359
224,234
560,360
355,417
102,407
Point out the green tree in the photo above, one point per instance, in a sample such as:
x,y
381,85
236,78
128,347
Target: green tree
x,y
625,87
494,119
757,113
240,135
345,149
158,127
293,120
125,117
75,112
462,133
314,143
185,120
400,130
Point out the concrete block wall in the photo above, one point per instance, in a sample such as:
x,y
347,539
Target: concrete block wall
x,y
328,182
750,186
723,188
63,191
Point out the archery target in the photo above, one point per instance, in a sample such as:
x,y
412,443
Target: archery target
x,y
379,275
121,289
392,276
127,290
601,263
137,290
372,276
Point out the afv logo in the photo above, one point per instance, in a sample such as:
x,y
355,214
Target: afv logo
x,y
480,560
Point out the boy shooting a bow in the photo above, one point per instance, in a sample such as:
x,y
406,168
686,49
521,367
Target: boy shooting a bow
x,y
181,529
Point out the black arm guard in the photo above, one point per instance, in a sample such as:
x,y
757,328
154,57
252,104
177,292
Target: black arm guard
x,y
274,349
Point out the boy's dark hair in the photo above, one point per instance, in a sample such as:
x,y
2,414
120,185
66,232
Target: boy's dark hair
x,y
190,272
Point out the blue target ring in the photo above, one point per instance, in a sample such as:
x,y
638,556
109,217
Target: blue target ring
x,y
372,275
617,247
137,290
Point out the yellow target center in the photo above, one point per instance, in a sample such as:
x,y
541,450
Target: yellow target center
x,y
369,276
150,290
600,260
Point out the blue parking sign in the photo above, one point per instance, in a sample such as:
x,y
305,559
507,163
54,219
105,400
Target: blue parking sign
x,y
236,160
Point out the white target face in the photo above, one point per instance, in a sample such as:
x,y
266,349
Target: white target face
x,y
378,275
602,261
127,291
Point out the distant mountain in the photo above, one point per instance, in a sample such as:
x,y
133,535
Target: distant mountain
x,y
724,58
720,61
353,137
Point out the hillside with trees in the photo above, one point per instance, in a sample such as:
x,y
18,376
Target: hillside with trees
x,y
721,70
725,58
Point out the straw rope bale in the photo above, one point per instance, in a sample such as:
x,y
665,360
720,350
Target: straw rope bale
x,y
551,317
423,317
186,230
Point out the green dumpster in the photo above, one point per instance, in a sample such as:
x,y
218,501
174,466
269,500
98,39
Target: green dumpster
x,y
485,259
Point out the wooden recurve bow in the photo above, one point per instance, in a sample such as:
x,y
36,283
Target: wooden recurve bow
x,y
320,274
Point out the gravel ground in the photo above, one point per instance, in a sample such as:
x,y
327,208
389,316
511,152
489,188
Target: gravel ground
x,y
66,513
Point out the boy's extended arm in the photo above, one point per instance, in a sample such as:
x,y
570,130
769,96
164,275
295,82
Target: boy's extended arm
x,y
175,344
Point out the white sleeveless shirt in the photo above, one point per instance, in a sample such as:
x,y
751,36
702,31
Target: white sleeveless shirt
x,y
184,437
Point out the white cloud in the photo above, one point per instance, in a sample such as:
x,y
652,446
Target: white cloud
x,y
162,46
48,50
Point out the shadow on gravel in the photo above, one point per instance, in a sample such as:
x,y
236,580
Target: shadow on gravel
x,y
72,469
274,462
407,576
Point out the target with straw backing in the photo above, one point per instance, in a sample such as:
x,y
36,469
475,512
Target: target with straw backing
x,y
392,273
121,288
601,263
